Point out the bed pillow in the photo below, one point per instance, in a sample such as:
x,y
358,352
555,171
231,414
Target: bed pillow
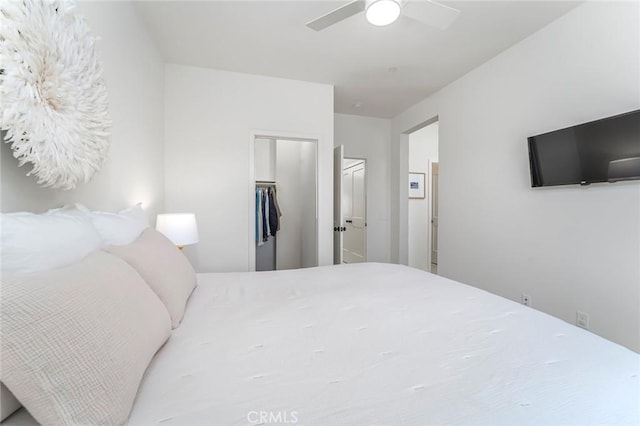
x,y
77,340
119,228
164,267
39,242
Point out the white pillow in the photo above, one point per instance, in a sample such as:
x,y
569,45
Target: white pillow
x,y
40,242
163,266
119,228
76,341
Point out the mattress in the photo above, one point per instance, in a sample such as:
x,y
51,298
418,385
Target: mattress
x,y
367,344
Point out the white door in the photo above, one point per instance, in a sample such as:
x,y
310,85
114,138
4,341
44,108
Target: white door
x,y
434,218
354,211
338,165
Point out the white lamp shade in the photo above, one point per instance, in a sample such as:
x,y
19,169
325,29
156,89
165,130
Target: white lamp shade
x,y
180,228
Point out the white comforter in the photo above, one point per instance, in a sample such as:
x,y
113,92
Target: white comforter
x,y
379,344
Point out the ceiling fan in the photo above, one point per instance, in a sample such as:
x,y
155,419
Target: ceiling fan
x,y
384,12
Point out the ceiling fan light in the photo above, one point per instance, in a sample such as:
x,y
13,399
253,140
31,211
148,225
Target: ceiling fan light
x,y
382,12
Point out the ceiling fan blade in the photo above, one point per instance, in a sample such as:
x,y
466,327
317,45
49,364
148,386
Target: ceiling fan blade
x,y
337,15
430,13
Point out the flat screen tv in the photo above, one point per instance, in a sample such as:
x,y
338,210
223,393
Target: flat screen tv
x,y
606,150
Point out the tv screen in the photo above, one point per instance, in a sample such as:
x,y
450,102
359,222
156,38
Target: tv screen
x,y
606,150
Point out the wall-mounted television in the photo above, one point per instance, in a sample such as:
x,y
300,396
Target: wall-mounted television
x,y
606,150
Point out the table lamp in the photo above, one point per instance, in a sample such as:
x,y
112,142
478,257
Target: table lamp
x,y
180,228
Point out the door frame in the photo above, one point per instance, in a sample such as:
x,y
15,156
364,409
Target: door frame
x,y
366,209
251,190
430,212
338,217
403,238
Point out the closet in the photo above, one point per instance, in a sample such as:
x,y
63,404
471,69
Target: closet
x,y
268,215
286,178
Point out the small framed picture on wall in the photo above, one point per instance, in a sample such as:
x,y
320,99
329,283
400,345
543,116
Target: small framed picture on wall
x,y
416,185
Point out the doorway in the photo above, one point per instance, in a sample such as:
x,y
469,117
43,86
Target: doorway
x,y
285,174
350,208
423,211
434,217
354,201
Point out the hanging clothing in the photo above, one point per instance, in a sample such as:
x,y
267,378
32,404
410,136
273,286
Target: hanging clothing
x,y
259,217
274,216
278,211
265,237
268,214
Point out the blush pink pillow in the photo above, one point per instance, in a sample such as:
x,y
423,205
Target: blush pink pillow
x,y
77,340
163,266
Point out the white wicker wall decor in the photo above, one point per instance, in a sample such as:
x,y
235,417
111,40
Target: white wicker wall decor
x,y
53,101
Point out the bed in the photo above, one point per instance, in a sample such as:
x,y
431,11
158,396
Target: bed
x,y
377,344
370,344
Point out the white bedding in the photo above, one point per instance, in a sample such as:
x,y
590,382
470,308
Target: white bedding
x,y
378,344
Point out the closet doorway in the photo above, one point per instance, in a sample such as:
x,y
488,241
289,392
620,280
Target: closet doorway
x,y
283,203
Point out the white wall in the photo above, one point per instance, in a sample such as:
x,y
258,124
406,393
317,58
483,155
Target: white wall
x,y
295,172
134,171
265,159
423,150
288,172
308,197
209,115
369,138
568,247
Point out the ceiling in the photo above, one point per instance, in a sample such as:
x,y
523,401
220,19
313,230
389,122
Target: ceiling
x,y
376,71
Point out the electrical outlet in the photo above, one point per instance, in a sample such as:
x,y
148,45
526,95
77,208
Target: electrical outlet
x,y
526,300
582,319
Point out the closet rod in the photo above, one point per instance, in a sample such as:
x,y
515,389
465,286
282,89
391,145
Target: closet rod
x,y
265,182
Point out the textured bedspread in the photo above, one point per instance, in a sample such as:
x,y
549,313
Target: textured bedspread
x,y
374,343
379,344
